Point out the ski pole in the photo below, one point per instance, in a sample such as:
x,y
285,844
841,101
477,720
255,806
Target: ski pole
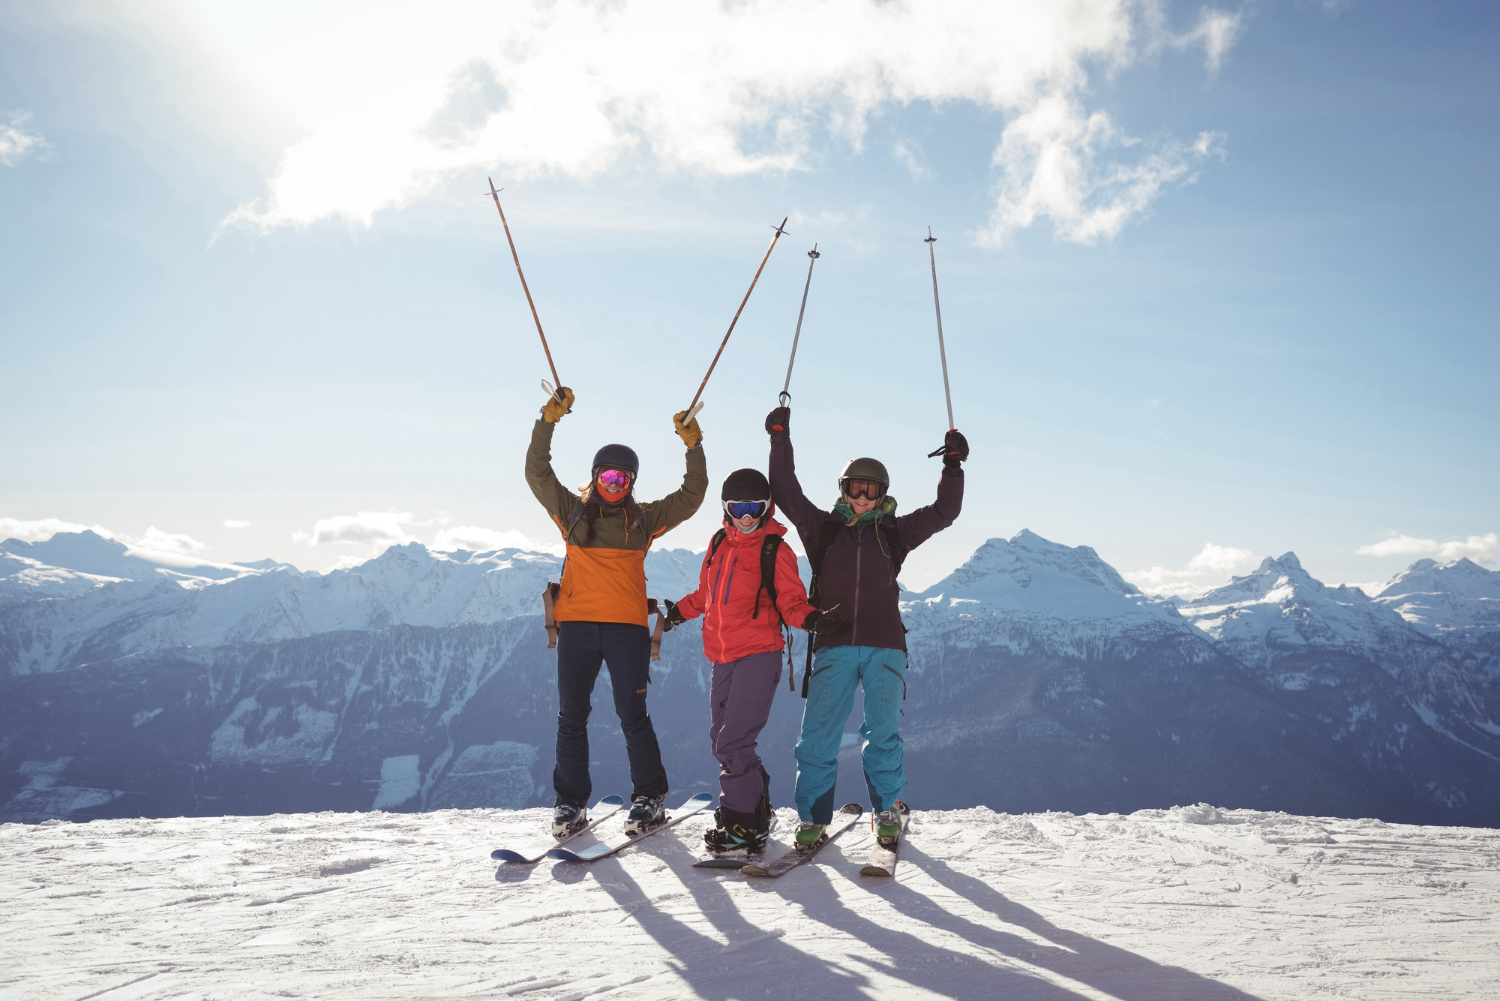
x,y
555,388
785,396
694,407
942,352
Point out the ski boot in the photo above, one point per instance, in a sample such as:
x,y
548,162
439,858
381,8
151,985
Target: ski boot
x,y
645,813
808,835
887,825
568,819
736,832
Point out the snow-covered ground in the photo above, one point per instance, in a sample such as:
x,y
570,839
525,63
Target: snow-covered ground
x,y
1189,903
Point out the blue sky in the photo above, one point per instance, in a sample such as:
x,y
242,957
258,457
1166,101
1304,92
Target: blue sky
x,y
1217,282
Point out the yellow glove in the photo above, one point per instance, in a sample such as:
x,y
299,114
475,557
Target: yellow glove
x,y
553,409
690,433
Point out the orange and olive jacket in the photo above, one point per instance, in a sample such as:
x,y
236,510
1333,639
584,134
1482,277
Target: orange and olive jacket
x,y
604,575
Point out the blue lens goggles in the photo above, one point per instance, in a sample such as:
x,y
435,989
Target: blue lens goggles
x,y
741,509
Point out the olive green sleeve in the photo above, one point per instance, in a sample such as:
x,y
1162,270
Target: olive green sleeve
x,y
680,505
556,498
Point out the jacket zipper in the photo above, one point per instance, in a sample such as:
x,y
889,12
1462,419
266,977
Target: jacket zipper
x,y
859,550
730,582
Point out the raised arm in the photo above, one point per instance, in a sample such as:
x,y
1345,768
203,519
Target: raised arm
x,y
558,500
925,522
681,504
805,516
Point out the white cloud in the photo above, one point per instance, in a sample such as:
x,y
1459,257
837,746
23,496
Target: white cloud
x,y
1400,545
166,542
1480,548
1217,32
483,540
1207,570
16,143
379,529
1220,560
235,523
43,529
573,88
913,159
1059,162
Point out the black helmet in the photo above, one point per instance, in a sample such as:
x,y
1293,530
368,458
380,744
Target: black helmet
x,y
864,469
745,484
618,457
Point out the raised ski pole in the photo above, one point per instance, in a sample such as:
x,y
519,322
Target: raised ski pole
x,y
694,407
556,386
942,352
813,256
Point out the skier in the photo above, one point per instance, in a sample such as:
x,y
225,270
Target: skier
x,y
600,607
742,637
856,551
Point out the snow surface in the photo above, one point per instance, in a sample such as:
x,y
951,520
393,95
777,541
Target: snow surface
x,y
1189,903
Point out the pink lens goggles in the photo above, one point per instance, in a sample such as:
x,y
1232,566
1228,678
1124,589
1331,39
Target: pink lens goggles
x,y
614,480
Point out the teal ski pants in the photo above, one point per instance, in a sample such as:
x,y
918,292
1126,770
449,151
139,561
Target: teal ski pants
x,y
837,672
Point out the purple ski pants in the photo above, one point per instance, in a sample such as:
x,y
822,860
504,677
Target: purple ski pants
x,y
740,702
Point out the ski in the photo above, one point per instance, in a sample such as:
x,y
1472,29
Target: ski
x,y
883,858
615,842
602,811
736,858
794,857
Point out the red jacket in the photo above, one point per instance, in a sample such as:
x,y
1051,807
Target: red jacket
x,y
728,584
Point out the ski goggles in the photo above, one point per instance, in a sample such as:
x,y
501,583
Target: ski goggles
x,y
743,509
614,480
863,489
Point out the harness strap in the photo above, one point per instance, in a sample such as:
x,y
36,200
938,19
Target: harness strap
x,y
549,614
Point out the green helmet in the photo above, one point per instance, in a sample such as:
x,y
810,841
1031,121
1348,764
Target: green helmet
x,y
864,469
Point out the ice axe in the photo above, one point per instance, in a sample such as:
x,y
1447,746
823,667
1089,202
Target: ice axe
x,y
695,406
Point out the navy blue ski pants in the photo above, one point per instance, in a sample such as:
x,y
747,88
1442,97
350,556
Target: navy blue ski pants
x,y
582,647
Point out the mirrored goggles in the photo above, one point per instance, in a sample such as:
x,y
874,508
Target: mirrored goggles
x,y
741,509
614,480
863,489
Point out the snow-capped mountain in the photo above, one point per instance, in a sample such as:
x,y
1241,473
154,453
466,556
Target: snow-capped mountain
x,y
92,554
1457,603
1039,679
1406,701
405,585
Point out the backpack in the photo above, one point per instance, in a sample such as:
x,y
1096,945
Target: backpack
x,y
827,532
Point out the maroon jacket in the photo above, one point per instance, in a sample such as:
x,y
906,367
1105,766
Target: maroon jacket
x,y
858,575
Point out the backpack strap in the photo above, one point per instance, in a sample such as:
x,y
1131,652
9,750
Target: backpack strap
x,y
768,548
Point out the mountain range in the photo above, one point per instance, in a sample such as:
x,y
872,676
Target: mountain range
x,y
134,683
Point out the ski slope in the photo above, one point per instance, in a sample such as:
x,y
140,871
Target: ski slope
x,y
1188,903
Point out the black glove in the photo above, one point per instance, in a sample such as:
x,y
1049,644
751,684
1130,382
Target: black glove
x,y
825,623
778,422
955,449
674,617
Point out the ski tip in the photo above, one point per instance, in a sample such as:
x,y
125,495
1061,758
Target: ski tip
x,y
613,801
753,870
501,855
562,855
702,797
875,870
853,809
